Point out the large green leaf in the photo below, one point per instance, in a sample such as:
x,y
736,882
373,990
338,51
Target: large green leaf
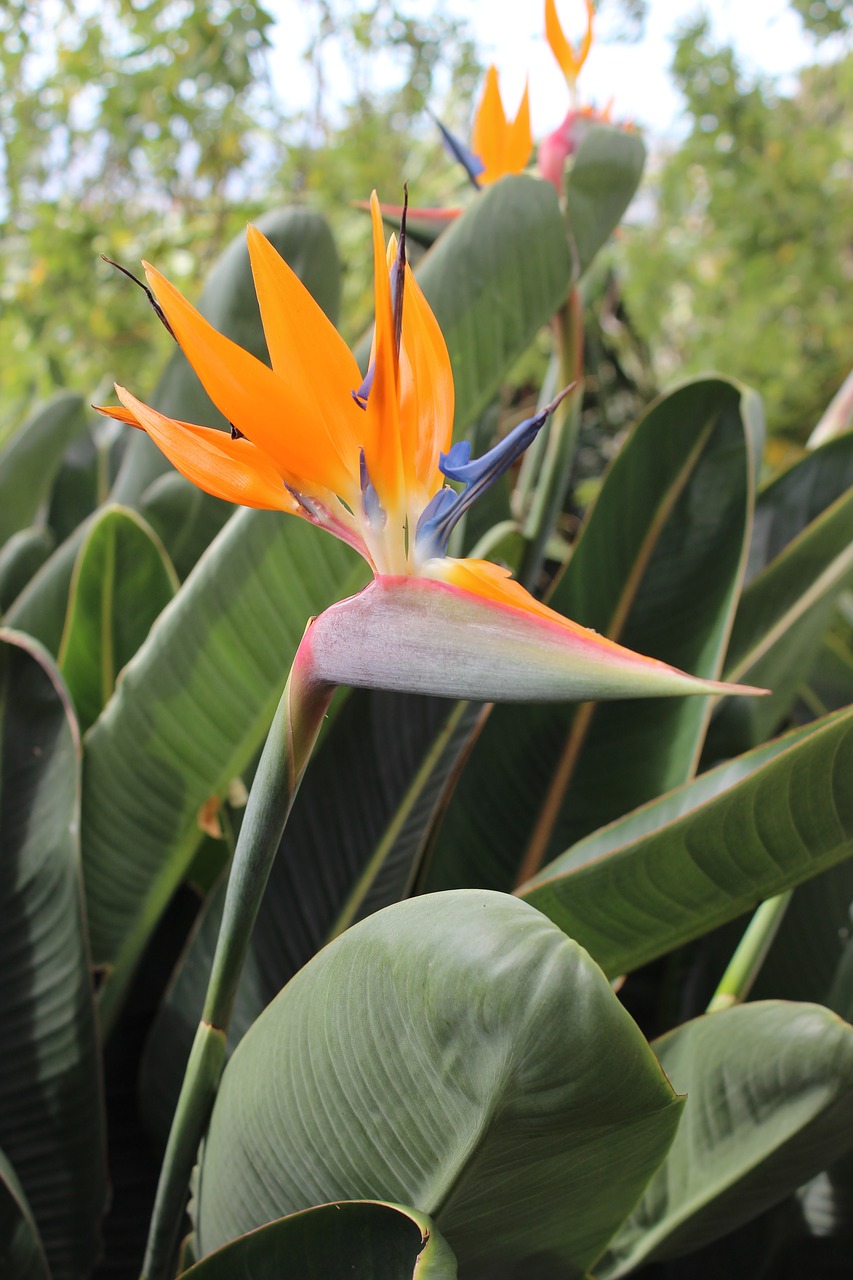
x,y
303,239
809,944
769,1102
691,861
21,1253
600,183
31,459
388,760
122,581
788,505
657,567
193,707
20,558
51,1126
184,518
493,279
363,1238
41,607
780,623
456,1053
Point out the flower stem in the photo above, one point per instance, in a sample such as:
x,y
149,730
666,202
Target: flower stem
x,y
286,752
743,968
556,469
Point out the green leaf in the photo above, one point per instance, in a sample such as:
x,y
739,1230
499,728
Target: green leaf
x,y
31,459
389,761
493,279
303,239
363,1238
192,709
780,624
83,477
769,1103
456,1053
787,506
41,607
21,1252
600,184
808,947
122,581
702,856
51,1125
20,558
185,519
657,567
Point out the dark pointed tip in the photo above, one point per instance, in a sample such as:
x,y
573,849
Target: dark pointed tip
x,y
158,310
558,399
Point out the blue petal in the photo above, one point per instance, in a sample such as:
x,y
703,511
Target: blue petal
x,y
360,396
373,509
477,474
471,163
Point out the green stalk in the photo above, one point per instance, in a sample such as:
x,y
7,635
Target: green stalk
x,y
744,966
556,468
287,750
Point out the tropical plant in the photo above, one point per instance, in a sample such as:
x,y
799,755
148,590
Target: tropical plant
x,y
486,928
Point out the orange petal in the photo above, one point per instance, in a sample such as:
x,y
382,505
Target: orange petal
x,y
570,61
231,469
488,136
305,347
519,143
426,391
279,417
381,434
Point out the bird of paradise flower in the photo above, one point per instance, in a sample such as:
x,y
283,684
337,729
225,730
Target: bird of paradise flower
x,y
367,460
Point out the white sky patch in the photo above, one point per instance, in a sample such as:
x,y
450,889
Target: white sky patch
x,y
767,35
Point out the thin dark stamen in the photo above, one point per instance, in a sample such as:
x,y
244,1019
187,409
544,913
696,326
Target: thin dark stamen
x,y
158,310
400,277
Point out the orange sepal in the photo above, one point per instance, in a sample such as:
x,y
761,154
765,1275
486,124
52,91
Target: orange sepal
x,y
305,346
380,435
231,469
426,391
569,60
279,416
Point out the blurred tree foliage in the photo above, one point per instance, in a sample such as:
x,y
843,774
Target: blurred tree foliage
x,y
747,261
126,127
137,128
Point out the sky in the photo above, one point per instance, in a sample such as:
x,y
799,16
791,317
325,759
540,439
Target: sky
x,y
767,35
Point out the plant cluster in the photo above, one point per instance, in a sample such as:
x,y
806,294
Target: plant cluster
x,y
556,985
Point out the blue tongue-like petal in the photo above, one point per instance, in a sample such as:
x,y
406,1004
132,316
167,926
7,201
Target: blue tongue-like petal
x,y
476,474
471,163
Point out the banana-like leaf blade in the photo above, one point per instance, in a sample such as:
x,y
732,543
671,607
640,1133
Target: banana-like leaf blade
x,y
363,1238
122,581
21,1252
389,760
769,1102
600,184
30,460
456,1053
51,1123
695,859
657,567
782,618
193,707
